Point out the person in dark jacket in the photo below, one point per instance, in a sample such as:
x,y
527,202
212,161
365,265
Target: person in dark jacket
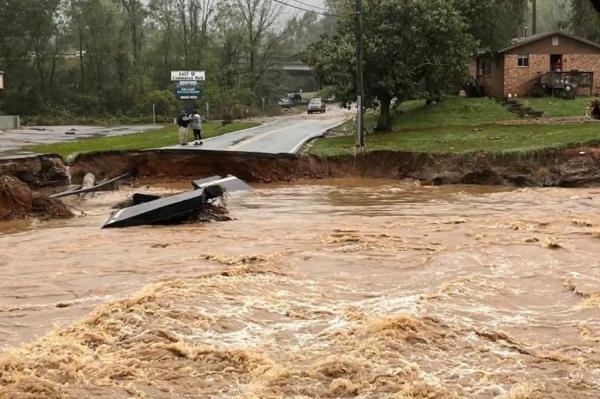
x,y
183,121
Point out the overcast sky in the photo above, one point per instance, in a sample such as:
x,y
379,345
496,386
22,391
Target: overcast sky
x,y
292,11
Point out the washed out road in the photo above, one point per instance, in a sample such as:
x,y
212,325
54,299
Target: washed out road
x,y
11,141
285,134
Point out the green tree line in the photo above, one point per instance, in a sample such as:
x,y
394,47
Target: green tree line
x,y
111,58
114,57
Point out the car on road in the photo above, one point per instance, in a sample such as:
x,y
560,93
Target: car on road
x,y
316,105
285,103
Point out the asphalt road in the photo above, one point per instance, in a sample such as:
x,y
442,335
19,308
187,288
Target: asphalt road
x,y
286,134
12,140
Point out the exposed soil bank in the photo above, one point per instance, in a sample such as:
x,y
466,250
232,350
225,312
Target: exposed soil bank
x,y
567,168
17,201
36,170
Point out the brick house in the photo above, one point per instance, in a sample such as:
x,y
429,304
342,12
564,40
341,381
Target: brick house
x,y
511,71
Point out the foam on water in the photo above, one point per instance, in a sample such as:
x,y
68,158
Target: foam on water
x,y
352,288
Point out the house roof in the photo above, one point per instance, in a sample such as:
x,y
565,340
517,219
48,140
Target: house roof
x,y
533,38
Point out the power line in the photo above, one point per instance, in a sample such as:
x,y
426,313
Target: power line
x,y
302,8
310,5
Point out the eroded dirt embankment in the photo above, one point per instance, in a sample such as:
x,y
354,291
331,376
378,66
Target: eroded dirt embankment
x,y
566,168
36,170
18,201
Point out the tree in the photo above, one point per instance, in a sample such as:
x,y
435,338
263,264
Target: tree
x,y
136,15
27,48
259,17
302,31
229,46
553,15
163,23
585,22
192,28
73,57
493,23
412,49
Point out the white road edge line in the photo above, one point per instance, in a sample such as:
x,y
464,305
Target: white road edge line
x,y
313,136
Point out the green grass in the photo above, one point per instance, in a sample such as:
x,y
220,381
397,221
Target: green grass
x,y
163,137
461,139
558,107
453,111
307,96
453,127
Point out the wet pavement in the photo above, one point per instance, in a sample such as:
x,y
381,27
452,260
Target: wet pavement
x,y
11,141
285,134
341,288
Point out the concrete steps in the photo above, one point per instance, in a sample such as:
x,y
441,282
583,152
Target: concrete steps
x,y
517,108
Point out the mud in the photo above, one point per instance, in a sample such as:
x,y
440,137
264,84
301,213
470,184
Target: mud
x,y
574,167
345,288
36,170
17,201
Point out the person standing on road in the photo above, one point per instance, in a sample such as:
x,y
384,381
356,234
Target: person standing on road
x,y
196,125
183,121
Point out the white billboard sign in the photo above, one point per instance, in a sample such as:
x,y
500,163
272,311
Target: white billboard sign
x,y
1,80
183,76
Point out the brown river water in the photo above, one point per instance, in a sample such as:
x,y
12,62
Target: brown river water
x,y
343,288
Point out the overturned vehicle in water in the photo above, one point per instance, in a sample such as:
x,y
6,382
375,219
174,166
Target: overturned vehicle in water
x,y
148,209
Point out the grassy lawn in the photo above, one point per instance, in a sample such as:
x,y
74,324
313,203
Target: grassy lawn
x,y
453,111
166,136
307,96
557,107
459,125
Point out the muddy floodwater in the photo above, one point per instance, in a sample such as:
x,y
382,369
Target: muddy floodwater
x,y
349,288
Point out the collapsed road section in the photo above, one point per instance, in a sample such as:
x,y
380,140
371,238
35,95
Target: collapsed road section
x,y
229,183
149,209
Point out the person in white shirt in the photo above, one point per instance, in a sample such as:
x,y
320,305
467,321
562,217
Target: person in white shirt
x,y
196,125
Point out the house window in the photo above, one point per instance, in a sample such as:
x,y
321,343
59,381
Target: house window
x,y
555,40
485,67
523,61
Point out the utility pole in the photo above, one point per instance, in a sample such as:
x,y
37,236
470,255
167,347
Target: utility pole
x,y
360,90
533,17
526,27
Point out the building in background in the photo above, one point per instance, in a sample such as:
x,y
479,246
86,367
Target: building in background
x,y
516,70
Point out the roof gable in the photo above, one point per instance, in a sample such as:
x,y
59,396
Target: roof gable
x,y
532,39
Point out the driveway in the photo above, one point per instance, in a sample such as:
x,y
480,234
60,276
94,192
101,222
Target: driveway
x,y
286,134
